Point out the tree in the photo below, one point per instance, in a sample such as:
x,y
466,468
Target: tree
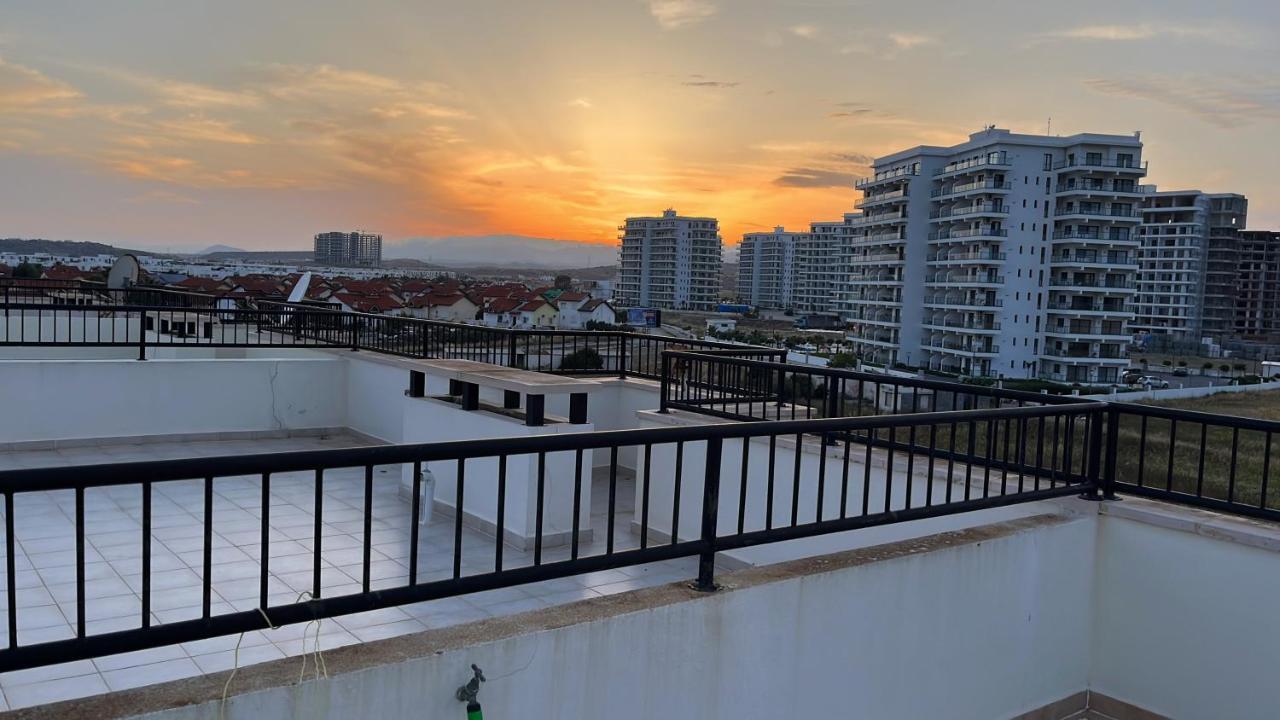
x,y
28,271
584,359
1224,367
843,360
563,282
1182,363
1166,363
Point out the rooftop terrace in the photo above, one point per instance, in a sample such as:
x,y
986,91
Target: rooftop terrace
x,y
403,500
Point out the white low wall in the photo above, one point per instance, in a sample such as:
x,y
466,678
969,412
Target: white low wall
x,y
50,400
973,631
1185,623
429,420
1183,393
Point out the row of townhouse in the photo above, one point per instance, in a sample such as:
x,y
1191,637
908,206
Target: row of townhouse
x,y
449,300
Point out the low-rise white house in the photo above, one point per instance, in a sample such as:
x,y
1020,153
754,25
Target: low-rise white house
x,y
450,308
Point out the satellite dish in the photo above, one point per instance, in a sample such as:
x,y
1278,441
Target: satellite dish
x,y
124,272
299,292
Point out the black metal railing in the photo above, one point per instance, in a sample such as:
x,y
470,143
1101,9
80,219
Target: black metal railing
x,y
92,321
746,388
1221,462
697,490
19,291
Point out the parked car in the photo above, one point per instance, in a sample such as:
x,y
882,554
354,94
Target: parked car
x,y
1152,381
1130,376
1180,372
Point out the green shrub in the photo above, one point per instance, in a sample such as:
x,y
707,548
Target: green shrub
x,y
584,359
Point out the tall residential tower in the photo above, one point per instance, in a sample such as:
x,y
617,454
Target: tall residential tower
x,y
669,262
1007,255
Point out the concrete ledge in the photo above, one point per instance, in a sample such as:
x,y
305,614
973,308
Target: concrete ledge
x,y
29,445
1206,523
207,690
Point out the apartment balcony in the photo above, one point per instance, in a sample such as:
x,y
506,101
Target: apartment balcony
x,y
873,301
1099,213
882,199
885,178
992,162
966,189
1105,355
881,220
1096,284
879,322
961,326
968,234
959,348
1095,238
1119,167
963,258
968,212
877,342
1077,186
1089,331
881,238
966,302
877,259
953,280
886,280
1095,259
1082,309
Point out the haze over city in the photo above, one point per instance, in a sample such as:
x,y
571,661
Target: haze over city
x,y
182,126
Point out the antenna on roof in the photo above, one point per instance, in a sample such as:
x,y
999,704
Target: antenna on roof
x,y
1048,126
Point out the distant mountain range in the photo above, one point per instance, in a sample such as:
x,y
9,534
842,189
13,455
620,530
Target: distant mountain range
x,y
503,250
497,251
64,247
220,249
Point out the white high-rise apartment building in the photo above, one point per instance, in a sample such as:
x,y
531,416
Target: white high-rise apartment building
x,y
669,262
348,248
767,269
816,257
784,270
1189,263
1007,255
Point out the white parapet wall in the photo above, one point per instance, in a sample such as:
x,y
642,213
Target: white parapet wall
x,y
63,400
985,624
1186,620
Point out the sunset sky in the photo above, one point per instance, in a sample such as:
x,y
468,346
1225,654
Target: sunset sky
x,y
257,124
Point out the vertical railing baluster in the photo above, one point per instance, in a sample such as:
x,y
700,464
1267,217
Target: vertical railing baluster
x,y
613,499
318,534
206,599
459,492
11,574
501,523
146,555
80,569
265,566
577,497
678,488
537,523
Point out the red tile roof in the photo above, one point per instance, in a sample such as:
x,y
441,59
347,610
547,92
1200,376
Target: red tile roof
x,y
502,305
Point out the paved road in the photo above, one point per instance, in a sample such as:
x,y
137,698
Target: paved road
x,y
1191,380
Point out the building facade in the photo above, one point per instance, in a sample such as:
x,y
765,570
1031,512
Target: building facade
x,y
783,270
1258,284
669,262
1008,255
348,248
767,269
1188,264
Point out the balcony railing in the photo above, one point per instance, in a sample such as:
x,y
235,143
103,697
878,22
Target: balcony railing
x,y
1087,163
991,185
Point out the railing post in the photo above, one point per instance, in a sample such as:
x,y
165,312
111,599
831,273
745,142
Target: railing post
x,y
142,335
710,517
623,338
1113,442
511,349
1094,448
355,333
664,381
